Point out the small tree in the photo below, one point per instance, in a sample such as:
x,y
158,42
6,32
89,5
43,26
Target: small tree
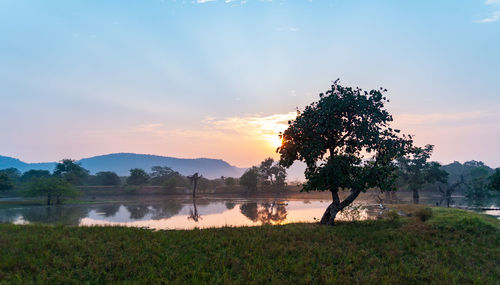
x,y
347,144
5,182
53,188
137,177
230,181
416,171
71,171
250,178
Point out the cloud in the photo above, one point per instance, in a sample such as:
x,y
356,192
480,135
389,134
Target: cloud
x,y
444,118
204,1
493,18
492,2
248,128
256,126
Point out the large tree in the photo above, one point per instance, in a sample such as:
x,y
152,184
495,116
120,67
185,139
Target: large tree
x,y
71,171
250,178
53,188
347,144
272,173
415,169
137,177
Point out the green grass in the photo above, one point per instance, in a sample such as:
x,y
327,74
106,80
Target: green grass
x,y
398,251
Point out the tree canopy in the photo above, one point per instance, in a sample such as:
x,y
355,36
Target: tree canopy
x,y
5,182
250,178
495,180
107,178
71,171
272,174
34,173
53,188
415,169
137,177
347,144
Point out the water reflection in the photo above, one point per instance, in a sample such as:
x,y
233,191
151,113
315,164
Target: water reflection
x,y
193,214
265,213
203,212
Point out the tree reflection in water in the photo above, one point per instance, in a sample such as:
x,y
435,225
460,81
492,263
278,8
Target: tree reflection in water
x,y
55,214
137,211
166,209
193,213
265,213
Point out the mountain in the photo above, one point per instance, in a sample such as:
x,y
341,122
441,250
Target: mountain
x,y
121,163
7,162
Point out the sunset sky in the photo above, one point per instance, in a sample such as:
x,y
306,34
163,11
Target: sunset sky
x,y
219,79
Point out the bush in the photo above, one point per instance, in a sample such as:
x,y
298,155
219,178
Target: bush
x,y
392,215
424,214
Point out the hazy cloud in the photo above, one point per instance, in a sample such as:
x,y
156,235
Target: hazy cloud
x,y
493,18
441,118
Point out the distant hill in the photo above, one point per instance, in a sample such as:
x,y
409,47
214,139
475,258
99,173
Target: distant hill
x,y
121,163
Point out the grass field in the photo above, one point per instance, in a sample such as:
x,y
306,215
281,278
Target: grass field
x,y
452,246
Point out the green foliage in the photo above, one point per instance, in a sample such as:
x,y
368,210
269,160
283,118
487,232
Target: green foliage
x,y
160,174
371,252
392,215
250,178
332,134
272,174
13,173
137,177
107,178
53,188
424,213
230,181
462,220
5,182
495,180
415,169
71,171
478,186
32,174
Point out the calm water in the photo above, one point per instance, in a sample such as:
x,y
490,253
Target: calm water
x,y
185,213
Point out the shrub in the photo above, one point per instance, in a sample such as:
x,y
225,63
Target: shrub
x,y
424,214
392,215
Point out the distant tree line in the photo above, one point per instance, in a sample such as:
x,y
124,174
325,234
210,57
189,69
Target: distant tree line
x,y
414,172
268,175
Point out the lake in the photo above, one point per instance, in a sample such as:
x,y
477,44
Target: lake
x,y
185,213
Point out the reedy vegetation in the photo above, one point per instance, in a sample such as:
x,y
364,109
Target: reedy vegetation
x,y
453,246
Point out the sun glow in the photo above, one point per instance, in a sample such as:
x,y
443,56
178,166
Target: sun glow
x,y
263,128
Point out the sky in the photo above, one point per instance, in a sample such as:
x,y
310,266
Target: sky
x,y
220,79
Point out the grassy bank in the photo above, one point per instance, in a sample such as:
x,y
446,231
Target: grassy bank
x,y
453,246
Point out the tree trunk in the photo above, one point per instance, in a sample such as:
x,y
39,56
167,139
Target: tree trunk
x,y
415,196
194,188
336,206
48,200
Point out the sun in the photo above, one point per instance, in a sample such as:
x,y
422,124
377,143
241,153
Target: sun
x,y
275,141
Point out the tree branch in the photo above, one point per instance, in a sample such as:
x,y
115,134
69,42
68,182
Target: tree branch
x,y
354,194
